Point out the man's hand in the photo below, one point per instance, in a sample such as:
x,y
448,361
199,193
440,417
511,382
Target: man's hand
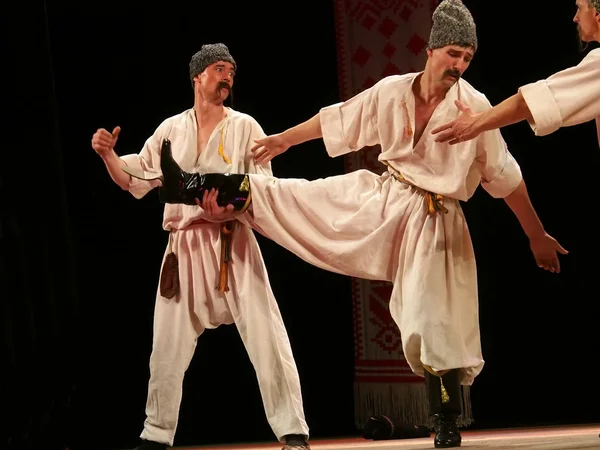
x,y
545,250
460,129
104,142
268,148
210,206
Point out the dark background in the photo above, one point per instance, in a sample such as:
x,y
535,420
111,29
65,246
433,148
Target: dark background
x,y
80,258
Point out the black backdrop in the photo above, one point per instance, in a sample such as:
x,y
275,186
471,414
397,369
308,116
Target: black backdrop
x,y
80,258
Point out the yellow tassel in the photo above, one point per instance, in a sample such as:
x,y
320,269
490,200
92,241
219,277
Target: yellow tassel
x,y
445,396
245,186
434,203
222,147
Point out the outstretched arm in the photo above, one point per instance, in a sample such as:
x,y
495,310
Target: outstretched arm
x,y
544,247
345,127
306,131
269,147
501,177
512,110
469,125
567,98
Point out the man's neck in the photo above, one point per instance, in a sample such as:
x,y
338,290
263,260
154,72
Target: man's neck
x,y
208,113
427,91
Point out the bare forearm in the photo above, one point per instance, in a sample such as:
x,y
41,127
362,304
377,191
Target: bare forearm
x,y
512,110
114,164
520,204
306,131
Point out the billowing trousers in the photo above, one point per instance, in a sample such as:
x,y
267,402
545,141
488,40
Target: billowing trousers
x,y
250,304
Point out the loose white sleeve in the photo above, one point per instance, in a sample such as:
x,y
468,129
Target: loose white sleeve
x,y
499,170
148,159
567,98
351,125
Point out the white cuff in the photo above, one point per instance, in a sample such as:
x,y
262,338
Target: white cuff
x,y
544,109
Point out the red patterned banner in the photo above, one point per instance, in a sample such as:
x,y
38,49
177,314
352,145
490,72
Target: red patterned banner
x,y
377,38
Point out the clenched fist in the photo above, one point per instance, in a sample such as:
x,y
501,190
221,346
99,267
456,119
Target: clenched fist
x,y
103,142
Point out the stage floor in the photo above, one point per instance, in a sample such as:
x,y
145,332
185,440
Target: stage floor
x,y
554,438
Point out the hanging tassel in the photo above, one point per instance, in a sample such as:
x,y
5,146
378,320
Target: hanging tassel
x,y
226,234
434,203
245,186
445,396
222,147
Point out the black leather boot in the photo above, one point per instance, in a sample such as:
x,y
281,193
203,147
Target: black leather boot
x,y
179,186
295,442
447,434
151,445
445,405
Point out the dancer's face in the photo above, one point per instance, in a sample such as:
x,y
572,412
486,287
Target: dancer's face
x,y
449,63
587,20
216,82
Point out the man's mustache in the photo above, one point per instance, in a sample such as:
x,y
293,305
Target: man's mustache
x,y
452,73
223,85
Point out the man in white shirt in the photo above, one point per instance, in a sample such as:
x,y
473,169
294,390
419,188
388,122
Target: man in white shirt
x,y
213,273
405,226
